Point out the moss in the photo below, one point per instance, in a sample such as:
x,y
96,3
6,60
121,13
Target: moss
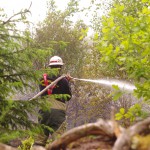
x,y
141,142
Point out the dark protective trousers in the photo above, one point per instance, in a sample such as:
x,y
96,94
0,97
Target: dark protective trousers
x,y
53,118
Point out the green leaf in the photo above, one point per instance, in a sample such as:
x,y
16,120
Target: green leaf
x,y
122,111
145,1
118,116
128,115
105,30
136,29
81,37
96,36
116,87
117,96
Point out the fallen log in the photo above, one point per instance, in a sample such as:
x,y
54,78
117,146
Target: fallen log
x,y
102,127
122,139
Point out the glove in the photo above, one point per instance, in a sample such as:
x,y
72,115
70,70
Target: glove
x,y
68,77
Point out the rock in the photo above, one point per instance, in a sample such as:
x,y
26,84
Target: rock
x,y
6,147
38,148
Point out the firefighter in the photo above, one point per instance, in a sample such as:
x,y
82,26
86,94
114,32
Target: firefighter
x,y
57,114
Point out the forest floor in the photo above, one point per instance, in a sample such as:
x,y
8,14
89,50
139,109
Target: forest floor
x,y
86,143
91,143
101,135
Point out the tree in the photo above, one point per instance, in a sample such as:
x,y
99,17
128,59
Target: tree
x,y
59,33
16,73
124,47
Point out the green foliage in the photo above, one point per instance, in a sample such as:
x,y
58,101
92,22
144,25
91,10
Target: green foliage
x,y
120,115
136,111
117,93
125,44
133,112
18,58
14,120
125,49
27,144
84,34
63,36
15,56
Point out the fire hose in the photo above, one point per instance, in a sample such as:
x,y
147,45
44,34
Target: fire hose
x,y
52,84
104,82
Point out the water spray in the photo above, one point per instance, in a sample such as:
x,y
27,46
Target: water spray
x,y
121,84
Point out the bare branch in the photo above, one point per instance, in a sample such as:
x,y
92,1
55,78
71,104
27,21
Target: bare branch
x,y
19,13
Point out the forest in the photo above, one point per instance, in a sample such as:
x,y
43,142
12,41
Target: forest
x,y
113,46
